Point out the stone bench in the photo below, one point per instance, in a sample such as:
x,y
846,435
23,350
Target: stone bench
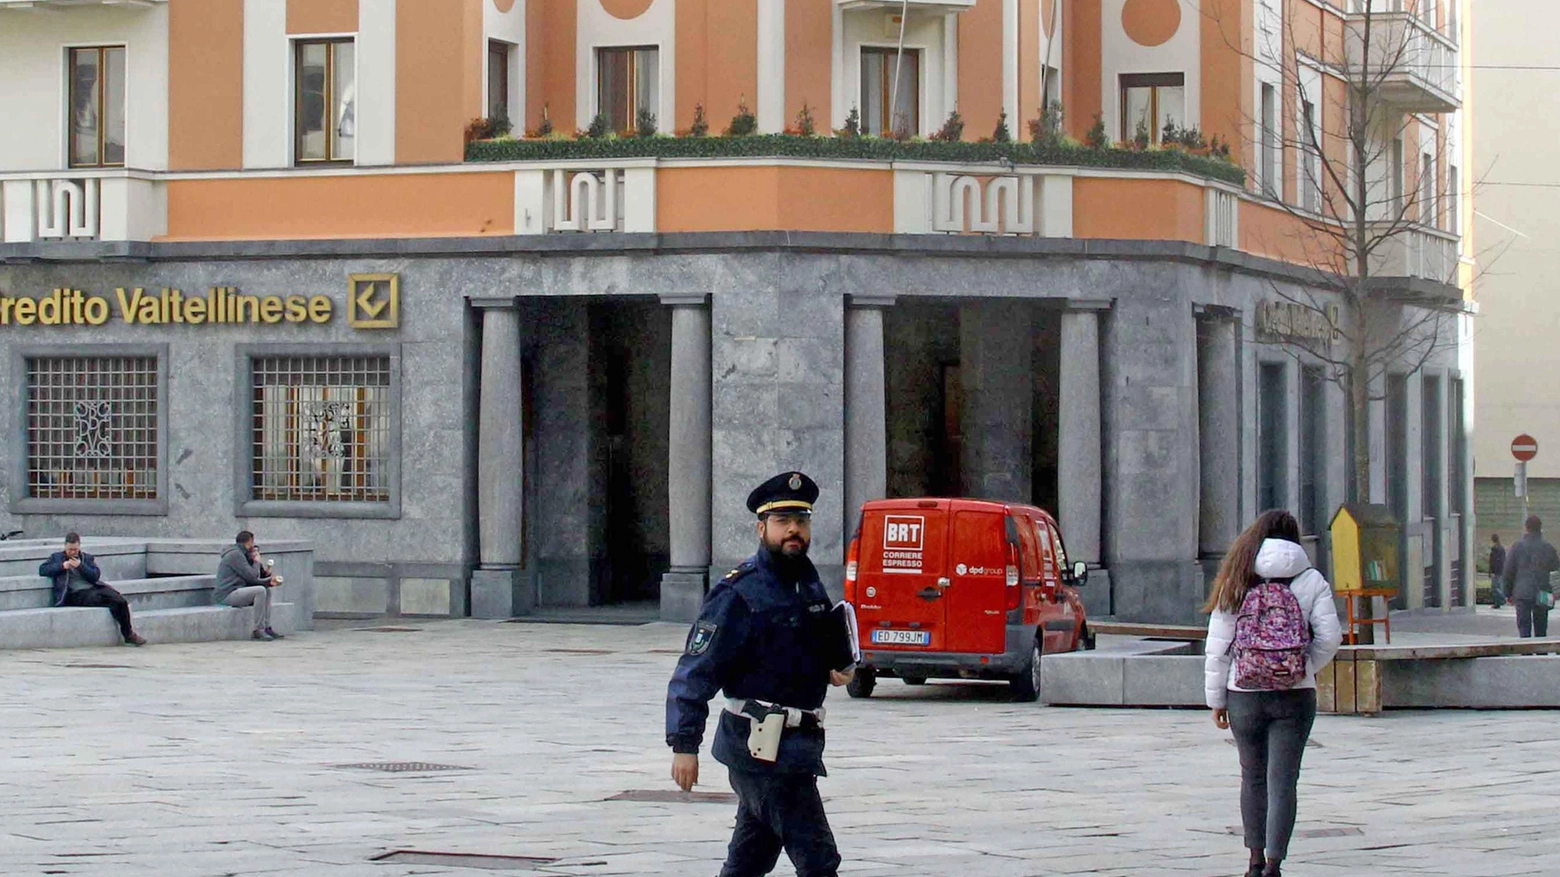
x,y
1130,673
153,592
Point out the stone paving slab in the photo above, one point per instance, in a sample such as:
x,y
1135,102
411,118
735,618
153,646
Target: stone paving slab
x,y
225,758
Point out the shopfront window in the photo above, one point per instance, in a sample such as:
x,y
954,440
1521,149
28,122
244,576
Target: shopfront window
x,y
92,427
321,428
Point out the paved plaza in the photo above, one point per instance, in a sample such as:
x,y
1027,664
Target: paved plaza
x,y
233,758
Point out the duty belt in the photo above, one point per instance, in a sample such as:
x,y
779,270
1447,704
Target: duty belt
x,y
795,717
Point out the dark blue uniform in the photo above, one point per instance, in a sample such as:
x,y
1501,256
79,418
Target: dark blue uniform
x,y
758,637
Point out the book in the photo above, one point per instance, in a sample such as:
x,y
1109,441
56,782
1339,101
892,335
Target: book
x,y
844,638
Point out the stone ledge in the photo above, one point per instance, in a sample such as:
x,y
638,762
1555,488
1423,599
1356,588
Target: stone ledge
x,y
77,627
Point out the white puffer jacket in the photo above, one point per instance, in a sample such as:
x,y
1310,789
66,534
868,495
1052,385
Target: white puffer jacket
x,y
1276,559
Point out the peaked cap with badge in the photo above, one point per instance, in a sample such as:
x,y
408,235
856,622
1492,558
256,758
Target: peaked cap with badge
x,y
786,492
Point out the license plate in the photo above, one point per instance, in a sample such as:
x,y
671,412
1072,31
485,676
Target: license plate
x,y
902,637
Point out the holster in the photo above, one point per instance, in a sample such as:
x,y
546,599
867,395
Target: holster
x,y
767,724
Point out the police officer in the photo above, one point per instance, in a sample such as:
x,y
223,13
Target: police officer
x,y
760,637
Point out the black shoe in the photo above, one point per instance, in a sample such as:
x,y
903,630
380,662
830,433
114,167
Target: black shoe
x,y
1254,869
273,634
261,636
135,639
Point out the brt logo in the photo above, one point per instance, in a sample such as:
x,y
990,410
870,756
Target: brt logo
x,y
903,532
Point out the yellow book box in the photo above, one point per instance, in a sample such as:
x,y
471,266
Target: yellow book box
x,y
1365,541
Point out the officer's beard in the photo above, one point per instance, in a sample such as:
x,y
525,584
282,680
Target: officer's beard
x,y
789,559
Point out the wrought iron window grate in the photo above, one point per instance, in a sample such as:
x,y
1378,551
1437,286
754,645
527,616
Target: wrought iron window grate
x,y
92,427
321,428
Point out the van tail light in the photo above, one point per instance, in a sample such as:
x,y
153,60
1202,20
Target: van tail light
x,y
1014,592
852,566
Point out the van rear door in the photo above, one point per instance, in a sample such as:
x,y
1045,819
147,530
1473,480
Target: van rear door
x,y
976,598
899,588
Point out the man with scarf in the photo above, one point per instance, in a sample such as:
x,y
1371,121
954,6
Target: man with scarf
x,y
762,637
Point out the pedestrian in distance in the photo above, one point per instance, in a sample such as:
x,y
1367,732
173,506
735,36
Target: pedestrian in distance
x,y
1273,625
1497,568
763,637
78,582
1526,574
245,579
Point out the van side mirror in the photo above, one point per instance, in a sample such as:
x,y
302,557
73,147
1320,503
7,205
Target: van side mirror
x,y
1080,572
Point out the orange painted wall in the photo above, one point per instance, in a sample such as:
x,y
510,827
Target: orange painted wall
x,y
1081,23
322,16
438,63
809,58
1029,64
1126,209
205,84
774,198
980,70
393,205
1227,100
551,27
1271,232
717,59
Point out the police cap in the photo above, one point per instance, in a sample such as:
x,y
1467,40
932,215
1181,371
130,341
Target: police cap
x,y
788,491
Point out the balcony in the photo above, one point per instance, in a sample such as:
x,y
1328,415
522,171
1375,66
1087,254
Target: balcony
x,y
60,4
1419,251
1419,70
112,205
935,7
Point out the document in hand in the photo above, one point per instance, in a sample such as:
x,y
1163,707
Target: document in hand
x,y
846,648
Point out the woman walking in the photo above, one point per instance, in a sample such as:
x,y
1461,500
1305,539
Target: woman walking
x,y
1273,625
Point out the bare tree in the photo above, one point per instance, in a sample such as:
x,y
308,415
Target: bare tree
x,y
1365,218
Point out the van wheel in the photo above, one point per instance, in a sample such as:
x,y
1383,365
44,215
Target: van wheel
x,y
1025,684
914,680
862,683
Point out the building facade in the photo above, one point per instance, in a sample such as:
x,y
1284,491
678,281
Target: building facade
x,y
1517,313
257,272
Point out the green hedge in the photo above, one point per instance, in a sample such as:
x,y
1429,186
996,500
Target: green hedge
x,y
870,148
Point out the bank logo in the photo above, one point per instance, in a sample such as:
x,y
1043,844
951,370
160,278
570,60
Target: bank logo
x,y
374,301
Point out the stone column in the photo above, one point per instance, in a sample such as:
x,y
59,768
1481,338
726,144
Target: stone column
x,y
866,409
1079,463
688,466
497,588
1218,408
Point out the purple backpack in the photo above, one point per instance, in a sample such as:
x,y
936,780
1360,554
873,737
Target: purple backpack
x,y
1271,638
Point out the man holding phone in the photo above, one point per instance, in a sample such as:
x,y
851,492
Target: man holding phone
x,y
78,582
244,579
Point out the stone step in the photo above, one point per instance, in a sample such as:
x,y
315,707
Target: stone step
x,y
75,627
165,592
116,558
1140,673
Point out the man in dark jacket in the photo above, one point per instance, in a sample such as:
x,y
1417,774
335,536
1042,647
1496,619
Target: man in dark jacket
x,y
1528,565
244,580
77,582
1497,569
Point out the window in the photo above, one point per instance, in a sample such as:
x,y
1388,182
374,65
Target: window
x,y
498,79
1311,179
1453,218
1427,198
1313,450
1397,445
97,107
883,108
321,428
92,427
1395,179
1149,102
1267,172
325,103
1432,436
628,81
1272,437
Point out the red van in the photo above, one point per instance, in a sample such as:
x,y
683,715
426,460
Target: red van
x,y
961,589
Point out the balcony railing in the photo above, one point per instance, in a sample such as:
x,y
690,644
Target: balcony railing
x,y
1417,69
1418,251
57,4
940,7
81,206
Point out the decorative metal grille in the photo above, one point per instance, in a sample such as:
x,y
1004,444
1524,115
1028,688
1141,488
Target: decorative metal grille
x,y
92,427
321,428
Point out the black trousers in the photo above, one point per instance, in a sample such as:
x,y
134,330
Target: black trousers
x,y
103,595
1270,729
774,812
1532,619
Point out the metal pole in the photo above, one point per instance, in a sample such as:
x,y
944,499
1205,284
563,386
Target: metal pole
x,y
899,66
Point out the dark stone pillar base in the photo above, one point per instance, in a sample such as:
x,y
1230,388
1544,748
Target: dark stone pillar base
x,y
682,594
500,593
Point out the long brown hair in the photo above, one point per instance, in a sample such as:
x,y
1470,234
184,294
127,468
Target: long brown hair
x,y
1237,573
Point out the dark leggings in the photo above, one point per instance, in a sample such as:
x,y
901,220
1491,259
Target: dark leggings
x,y
1270,729
103,595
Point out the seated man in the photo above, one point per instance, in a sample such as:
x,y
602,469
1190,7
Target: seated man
x,y
76,583
243,580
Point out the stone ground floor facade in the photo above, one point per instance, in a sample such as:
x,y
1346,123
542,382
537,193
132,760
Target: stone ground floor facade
x,y
484,427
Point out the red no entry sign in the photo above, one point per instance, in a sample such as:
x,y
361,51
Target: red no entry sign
x,y
1524,447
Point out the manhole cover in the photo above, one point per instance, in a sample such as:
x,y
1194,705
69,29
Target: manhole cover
x,y
579,651
659,796
463,860
1344,831
401,766
388,629
97,666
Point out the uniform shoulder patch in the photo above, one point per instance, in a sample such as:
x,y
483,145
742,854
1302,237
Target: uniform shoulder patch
x,y
739,572
701,636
